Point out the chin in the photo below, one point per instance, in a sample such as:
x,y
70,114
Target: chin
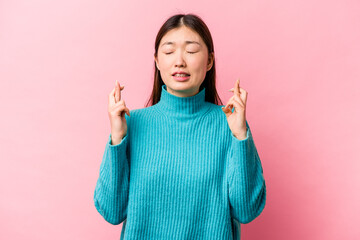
x,y
181,85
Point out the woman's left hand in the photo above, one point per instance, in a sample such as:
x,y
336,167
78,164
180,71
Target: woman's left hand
x,y
236,119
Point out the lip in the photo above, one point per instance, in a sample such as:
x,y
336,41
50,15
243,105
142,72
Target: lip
x,y
180,73
181,79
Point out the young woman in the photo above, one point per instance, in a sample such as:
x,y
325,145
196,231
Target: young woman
x,y
183,167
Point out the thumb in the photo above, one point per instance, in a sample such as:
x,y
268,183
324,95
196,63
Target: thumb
x,y
227,111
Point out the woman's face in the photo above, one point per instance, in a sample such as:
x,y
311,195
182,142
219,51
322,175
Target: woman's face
x,y
182,49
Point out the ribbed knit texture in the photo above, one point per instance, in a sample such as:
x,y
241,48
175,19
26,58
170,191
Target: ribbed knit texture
x,y
180,173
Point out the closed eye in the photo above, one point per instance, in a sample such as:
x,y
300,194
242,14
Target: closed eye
x,y
187,52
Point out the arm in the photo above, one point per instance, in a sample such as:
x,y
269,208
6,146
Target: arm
x,y
112,187
246,184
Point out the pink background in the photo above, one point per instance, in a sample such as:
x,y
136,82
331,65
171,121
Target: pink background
x,y
299,60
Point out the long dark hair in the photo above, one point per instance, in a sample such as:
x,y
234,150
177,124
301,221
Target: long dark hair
x,y
197,24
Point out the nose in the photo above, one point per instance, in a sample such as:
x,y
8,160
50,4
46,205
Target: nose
x,y
179,61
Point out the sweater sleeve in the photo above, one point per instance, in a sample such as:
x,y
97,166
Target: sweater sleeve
x,y
246,184
112,187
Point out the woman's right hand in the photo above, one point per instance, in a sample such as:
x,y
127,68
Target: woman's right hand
x,y
117,110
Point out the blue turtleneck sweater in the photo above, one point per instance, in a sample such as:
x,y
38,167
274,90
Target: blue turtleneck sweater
x,y
180,173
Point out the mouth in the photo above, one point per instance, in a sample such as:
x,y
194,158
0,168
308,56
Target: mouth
x,y
181,77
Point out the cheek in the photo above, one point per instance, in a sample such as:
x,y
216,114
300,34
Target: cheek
x,y
201,61
201,68
164,63
196,63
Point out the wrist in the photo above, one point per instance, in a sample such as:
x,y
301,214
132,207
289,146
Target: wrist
x,y
241,135
116,138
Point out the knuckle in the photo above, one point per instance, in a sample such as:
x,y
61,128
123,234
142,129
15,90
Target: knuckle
x,y
111,112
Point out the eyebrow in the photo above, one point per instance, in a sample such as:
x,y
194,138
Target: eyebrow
x,y
187,42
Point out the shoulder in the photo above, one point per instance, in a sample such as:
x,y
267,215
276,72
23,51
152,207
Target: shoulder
x,y
143,111
215,116
215,109
140,113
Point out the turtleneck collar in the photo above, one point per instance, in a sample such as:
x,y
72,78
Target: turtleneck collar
x,y
182,107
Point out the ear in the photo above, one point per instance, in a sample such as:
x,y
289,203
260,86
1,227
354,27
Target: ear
x,y
156,62
210,61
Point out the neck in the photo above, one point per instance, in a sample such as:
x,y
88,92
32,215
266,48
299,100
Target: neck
x,y
182,107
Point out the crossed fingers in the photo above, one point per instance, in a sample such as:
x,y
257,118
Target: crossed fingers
x,y
239,97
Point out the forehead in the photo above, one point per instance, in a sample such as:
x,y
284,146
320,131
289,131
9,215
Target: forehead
x,y
181,36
